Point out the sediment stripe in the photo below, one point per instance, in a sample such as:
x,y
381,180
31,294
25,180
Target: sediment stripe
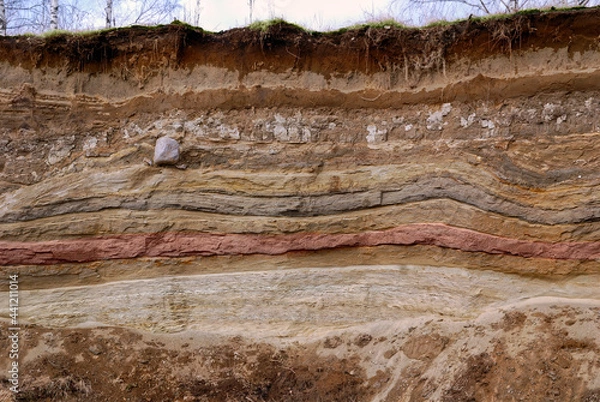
x,y
289,90
299,194
104,271
205,244
452,213
527,206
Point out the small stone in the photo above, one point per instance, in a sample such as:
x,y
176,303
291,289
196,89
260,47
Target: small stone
x,y
435,121
166,151
375,135
95,350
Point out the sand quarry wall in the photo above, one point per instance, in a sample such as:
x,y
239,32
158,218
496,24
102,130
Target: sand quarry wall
x,y
372,214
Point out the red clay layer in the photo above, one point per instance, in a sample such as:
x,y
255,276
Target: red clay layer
x,y
204,244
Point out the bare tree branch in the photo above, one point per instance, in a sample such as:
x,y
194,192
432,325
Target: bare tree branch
x,y
460,8
154,11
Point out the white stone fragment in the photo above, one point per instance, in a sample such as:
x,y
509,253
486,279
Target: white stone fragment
x,y
487,124
375,135
551,112
446,109
465,123
90,143
58,153
166,151
435,121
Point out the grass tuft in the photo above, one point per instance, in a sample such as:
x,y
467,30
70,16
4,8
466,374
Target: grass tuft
x,y
56,32
387,23
264,25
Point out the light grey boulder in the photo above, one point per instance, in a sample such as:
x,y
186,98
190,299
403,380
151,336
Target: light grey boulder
x,y
166,151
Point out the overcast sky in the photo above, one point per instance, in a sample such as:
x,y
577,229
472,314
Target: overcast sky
x,y
217,15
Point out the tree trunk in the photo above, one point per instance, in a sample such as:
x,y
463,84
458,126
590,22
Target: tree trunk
x,y
54,15
2,18
109,14
197,14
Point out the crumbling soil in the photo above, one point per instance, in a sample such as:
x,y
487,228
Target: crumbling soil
x,y
283,46
116,364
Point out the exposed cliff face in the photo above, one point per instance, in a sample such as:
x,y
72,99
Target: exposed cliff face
x,y
376,214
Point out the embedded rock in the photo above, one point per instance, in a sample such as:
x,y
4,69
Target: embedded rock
x,y
166,151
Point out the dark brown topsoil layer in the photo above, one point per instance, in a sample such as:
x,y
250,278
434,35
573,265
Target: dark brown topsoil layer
x,y
283,46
